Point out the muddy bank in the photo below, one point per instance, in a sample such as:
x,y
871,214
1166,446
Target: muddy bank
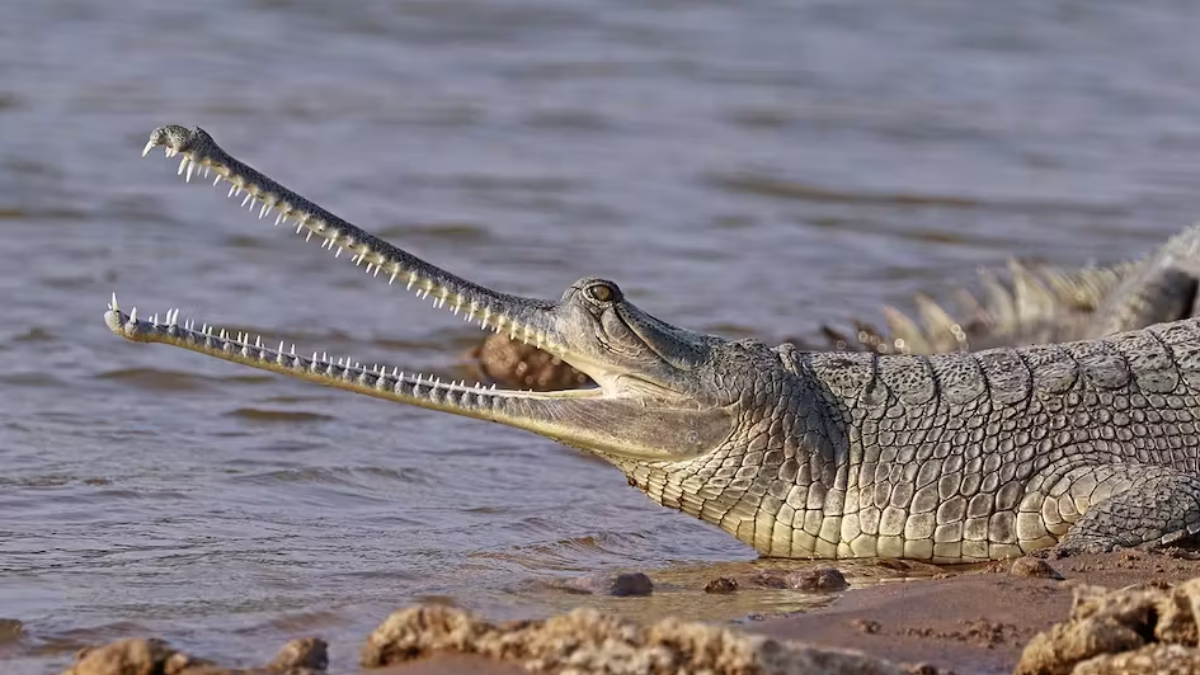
x,y
1121,612
974,622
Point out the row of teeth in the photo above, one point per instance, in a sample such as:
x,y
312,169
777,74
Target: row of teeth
x,y
220,340
188,167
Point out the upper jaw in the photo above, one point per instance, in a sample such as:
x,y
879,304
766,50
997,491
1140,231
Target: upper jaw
x,y
522,318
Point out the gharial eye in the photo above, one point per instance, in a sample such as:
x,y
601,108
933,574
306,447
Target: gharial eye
x,y
602,292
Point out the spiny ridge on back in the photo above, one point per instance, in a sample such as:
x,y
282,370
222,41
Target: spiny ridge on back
x,y
1036,303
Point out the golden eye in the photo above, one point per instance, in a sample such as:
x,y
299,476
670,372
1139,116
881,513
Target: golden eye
x,y
601,292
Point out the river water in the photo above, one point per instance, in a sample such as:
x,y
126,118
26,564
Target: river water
x,y
748,169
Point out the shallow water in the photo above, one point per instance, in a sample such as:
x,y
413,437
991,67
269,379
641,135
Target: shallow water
x,y
748,170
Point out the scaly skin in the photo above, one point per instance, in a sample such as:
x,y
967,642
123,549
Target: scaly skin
x,y
967,456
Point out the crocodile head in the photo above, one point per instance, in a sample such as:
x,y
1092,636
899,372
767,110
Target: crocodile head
x,y
663,393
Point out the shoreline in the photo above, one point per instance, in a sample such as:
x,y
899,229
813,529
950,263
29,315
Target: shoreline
x,y
975,622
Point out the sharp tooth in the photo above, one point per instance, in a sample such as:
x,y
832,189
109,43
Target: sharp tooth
x,y
300,226
308,236
258,341
339,253
183,163
133,315
216,180
206,175
278,218
232,189
248,198
393,279
113,305
154,319
263,211
149,146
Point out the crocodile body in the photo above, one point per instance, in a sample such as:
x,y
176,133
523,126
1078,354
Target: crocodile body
x,y
1085,445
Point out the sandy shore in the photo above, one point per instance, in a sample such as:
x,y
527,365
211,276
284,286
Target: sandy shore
x,y
976,622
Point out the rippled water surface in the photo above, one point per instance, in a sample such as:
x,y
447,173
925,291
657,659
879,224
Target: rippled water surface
x,y
748,169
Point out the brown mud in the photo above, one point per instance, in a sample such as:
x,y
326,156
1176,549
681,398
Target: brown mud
x,y
1129,611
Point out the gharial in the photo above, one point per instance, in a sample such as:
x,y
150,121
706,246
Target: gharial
x,y
955,457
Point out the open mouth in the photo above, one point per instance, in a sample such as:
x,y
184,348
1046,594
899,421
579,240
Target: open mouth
x,y
201,158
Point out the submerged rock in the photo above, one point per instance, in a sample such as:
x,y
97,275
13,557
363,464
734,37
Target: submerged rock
x,y
619,585
721,585
818,579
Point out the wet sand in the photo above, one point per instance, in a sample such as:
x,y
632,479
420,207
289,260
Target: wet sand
x,y
974,621
971,622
